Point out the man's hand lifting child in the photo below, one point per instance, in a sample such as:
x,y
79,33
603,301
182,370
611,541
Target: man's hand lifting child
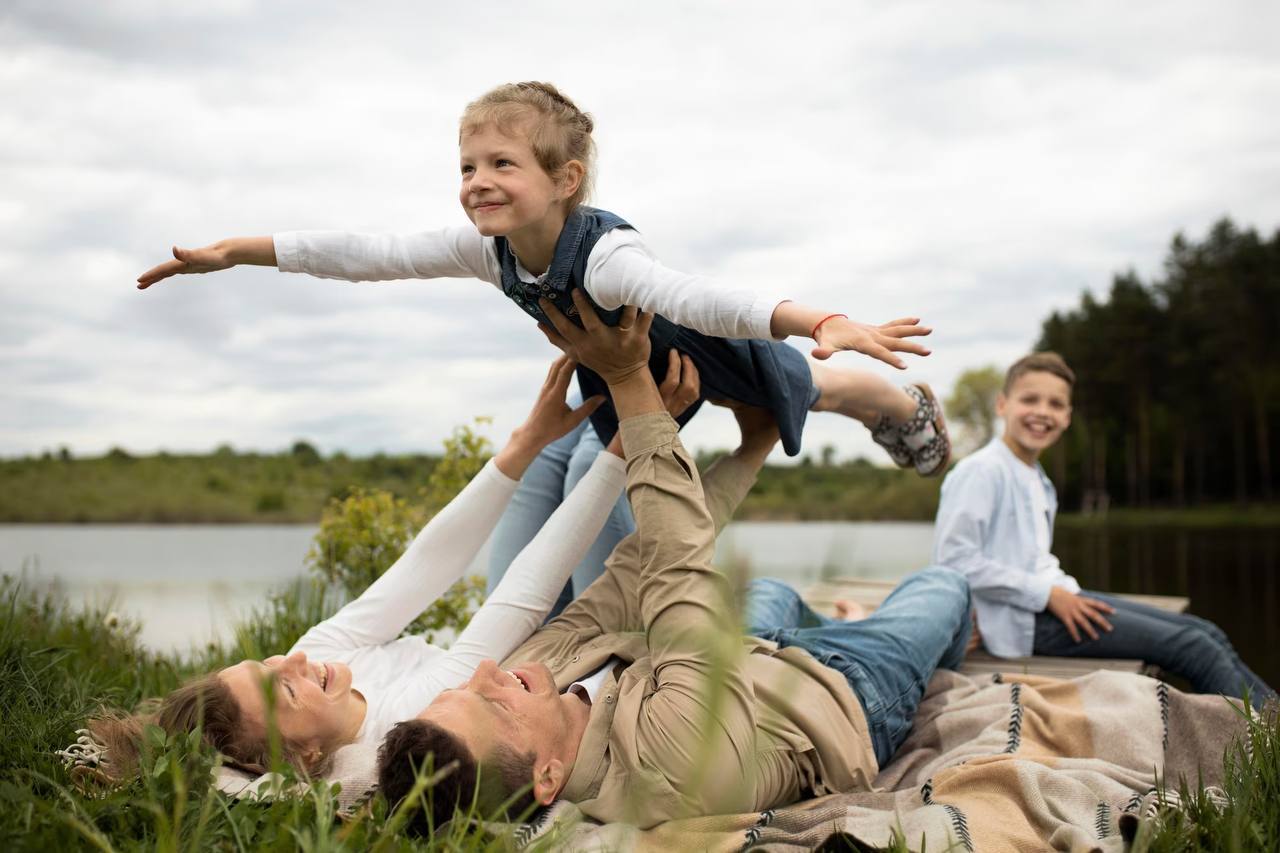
x,y
615,353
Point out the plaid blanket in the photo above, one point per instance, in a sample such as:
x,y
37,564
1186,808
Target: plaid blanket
x,y
1006,763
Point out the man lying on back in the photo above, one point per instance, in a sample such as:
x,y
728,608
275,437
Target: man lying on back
x,y
643,702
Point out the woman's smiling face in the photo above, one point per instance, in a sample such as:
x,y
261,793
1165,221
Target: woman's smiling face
x,y
315,708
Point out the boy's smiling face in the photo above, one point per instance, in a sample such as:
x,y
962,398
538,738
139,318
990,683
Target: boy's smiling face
x,y
1036,410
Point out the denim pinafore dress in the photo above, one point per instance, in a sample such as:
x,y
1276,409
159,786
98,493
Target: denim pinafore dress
x,y
759,373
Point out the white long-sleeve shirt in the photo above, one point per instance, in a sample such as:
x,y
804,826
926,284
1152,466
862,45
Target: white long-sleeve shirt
x,y
994,526
620,271
399,677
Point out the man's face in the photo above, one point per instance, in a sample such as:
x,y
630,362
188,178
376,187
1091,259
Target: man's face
x,y
521,708
1035,411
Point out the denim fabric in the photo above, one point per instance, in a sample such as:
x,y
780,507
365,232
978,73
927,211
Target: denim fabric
x,y
1179,643
545,484
887,658
772,603
768,374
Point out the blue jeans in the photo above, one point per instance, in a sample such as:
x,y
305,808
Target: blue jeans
x,y
1179,643
545,485
887,658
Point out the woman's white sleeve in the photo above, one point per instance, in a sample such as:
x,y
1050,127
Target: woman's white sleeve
x,y
433,562
535,578
446,253
622,271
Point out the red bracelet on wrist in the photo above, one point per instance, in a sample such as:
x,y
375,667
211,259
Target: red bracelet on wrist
x,y
814,333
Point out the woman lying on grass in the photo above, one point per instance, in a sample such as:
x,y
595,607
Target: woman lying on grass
x,y
349,679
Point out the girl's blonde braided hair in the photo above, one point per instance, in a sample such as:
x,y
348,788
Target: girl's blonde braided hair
x,y
557,130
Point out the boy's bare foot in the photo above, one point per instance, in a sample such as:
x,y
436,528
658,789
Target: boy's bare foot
x,y
850,611
975,638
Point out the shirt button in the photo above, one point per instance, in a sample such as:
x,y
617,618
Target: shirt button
x,y
575,658
609,698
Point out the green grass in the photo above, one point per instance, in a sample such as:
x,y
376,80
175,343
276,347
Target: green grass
x,y
57,664
221,487
1246,815
295,486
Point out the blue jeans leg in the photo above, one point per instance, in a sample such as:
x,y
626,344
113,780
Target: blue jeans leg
x,y
771,604
1182,644
551,477
889,657
619,525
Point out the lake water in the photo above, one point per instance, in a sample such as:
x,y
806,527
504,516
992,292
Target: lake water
x,y
187,584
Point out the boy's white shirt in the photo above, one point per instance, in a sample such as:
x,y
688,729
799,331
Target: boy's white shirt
x,y
986,529
620,271
399,677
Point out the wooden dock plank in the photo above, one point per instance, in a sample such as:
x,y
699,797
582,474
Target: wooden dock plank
x,y
822,596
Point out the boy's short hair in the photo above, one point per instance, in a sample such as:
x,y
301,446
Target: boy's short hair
x,y
1046,362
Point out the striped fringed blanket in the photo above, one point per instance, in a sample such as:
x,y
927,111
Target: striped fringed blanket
x,y
1003,763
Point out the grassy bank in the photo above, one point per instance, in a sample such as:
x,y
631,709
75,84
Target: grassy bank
x,y
58,664
1215,516
220,487
294,486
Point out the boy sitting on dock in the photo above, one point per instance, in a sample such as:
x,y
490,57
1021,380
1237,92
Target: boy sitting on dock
x,y
995,526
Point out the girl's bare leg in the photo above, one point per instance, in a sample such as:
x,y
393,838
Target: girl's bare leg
x,y
860,394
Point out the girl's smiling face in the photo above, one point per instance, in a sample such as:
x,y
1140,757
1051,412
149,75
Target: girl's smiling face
x,y
506,192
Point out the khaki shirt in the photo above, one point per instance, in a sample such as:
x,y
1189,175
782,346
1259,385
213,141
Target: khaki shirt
x,y
697,719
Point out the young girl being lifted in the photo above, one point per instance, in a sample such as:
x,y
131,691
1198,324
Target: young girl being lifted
x,y
526,161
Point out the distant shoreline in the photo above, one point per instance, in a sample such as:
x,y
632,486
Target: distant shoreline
x,y
293,487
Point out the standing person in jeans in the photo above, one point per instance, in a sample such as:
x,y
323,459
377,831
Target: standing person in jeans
x,y
995,527
643,702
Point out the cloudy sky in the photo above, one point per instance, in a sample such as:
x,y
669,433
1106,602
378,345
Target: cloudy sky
x,y
977,163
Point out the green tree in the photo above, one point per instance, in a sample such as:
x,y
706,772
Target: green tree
x,y
971,408
305,452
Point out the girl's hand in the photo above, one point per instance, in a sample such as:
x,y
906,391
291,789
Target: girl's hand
x,y
221,255
209,259
841,333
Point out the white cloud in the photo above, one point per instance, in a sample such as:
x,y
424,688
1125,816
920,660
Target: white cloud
x,y
978,163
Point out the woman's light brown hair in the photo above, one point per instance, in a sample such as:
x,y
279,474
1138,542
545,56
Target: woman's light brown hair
x,y
206,702
556,129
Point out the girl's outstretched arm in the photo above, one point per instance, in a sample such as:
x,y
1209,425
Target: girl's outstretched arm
x,y
622,271
835,332
224,254
456,252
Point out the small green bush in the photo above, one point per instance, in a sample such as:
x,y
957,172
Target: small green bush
x,y
362,534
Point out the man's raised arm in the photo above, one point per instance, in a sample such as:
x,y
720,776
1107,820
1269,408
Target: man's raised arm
x,y
698,729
